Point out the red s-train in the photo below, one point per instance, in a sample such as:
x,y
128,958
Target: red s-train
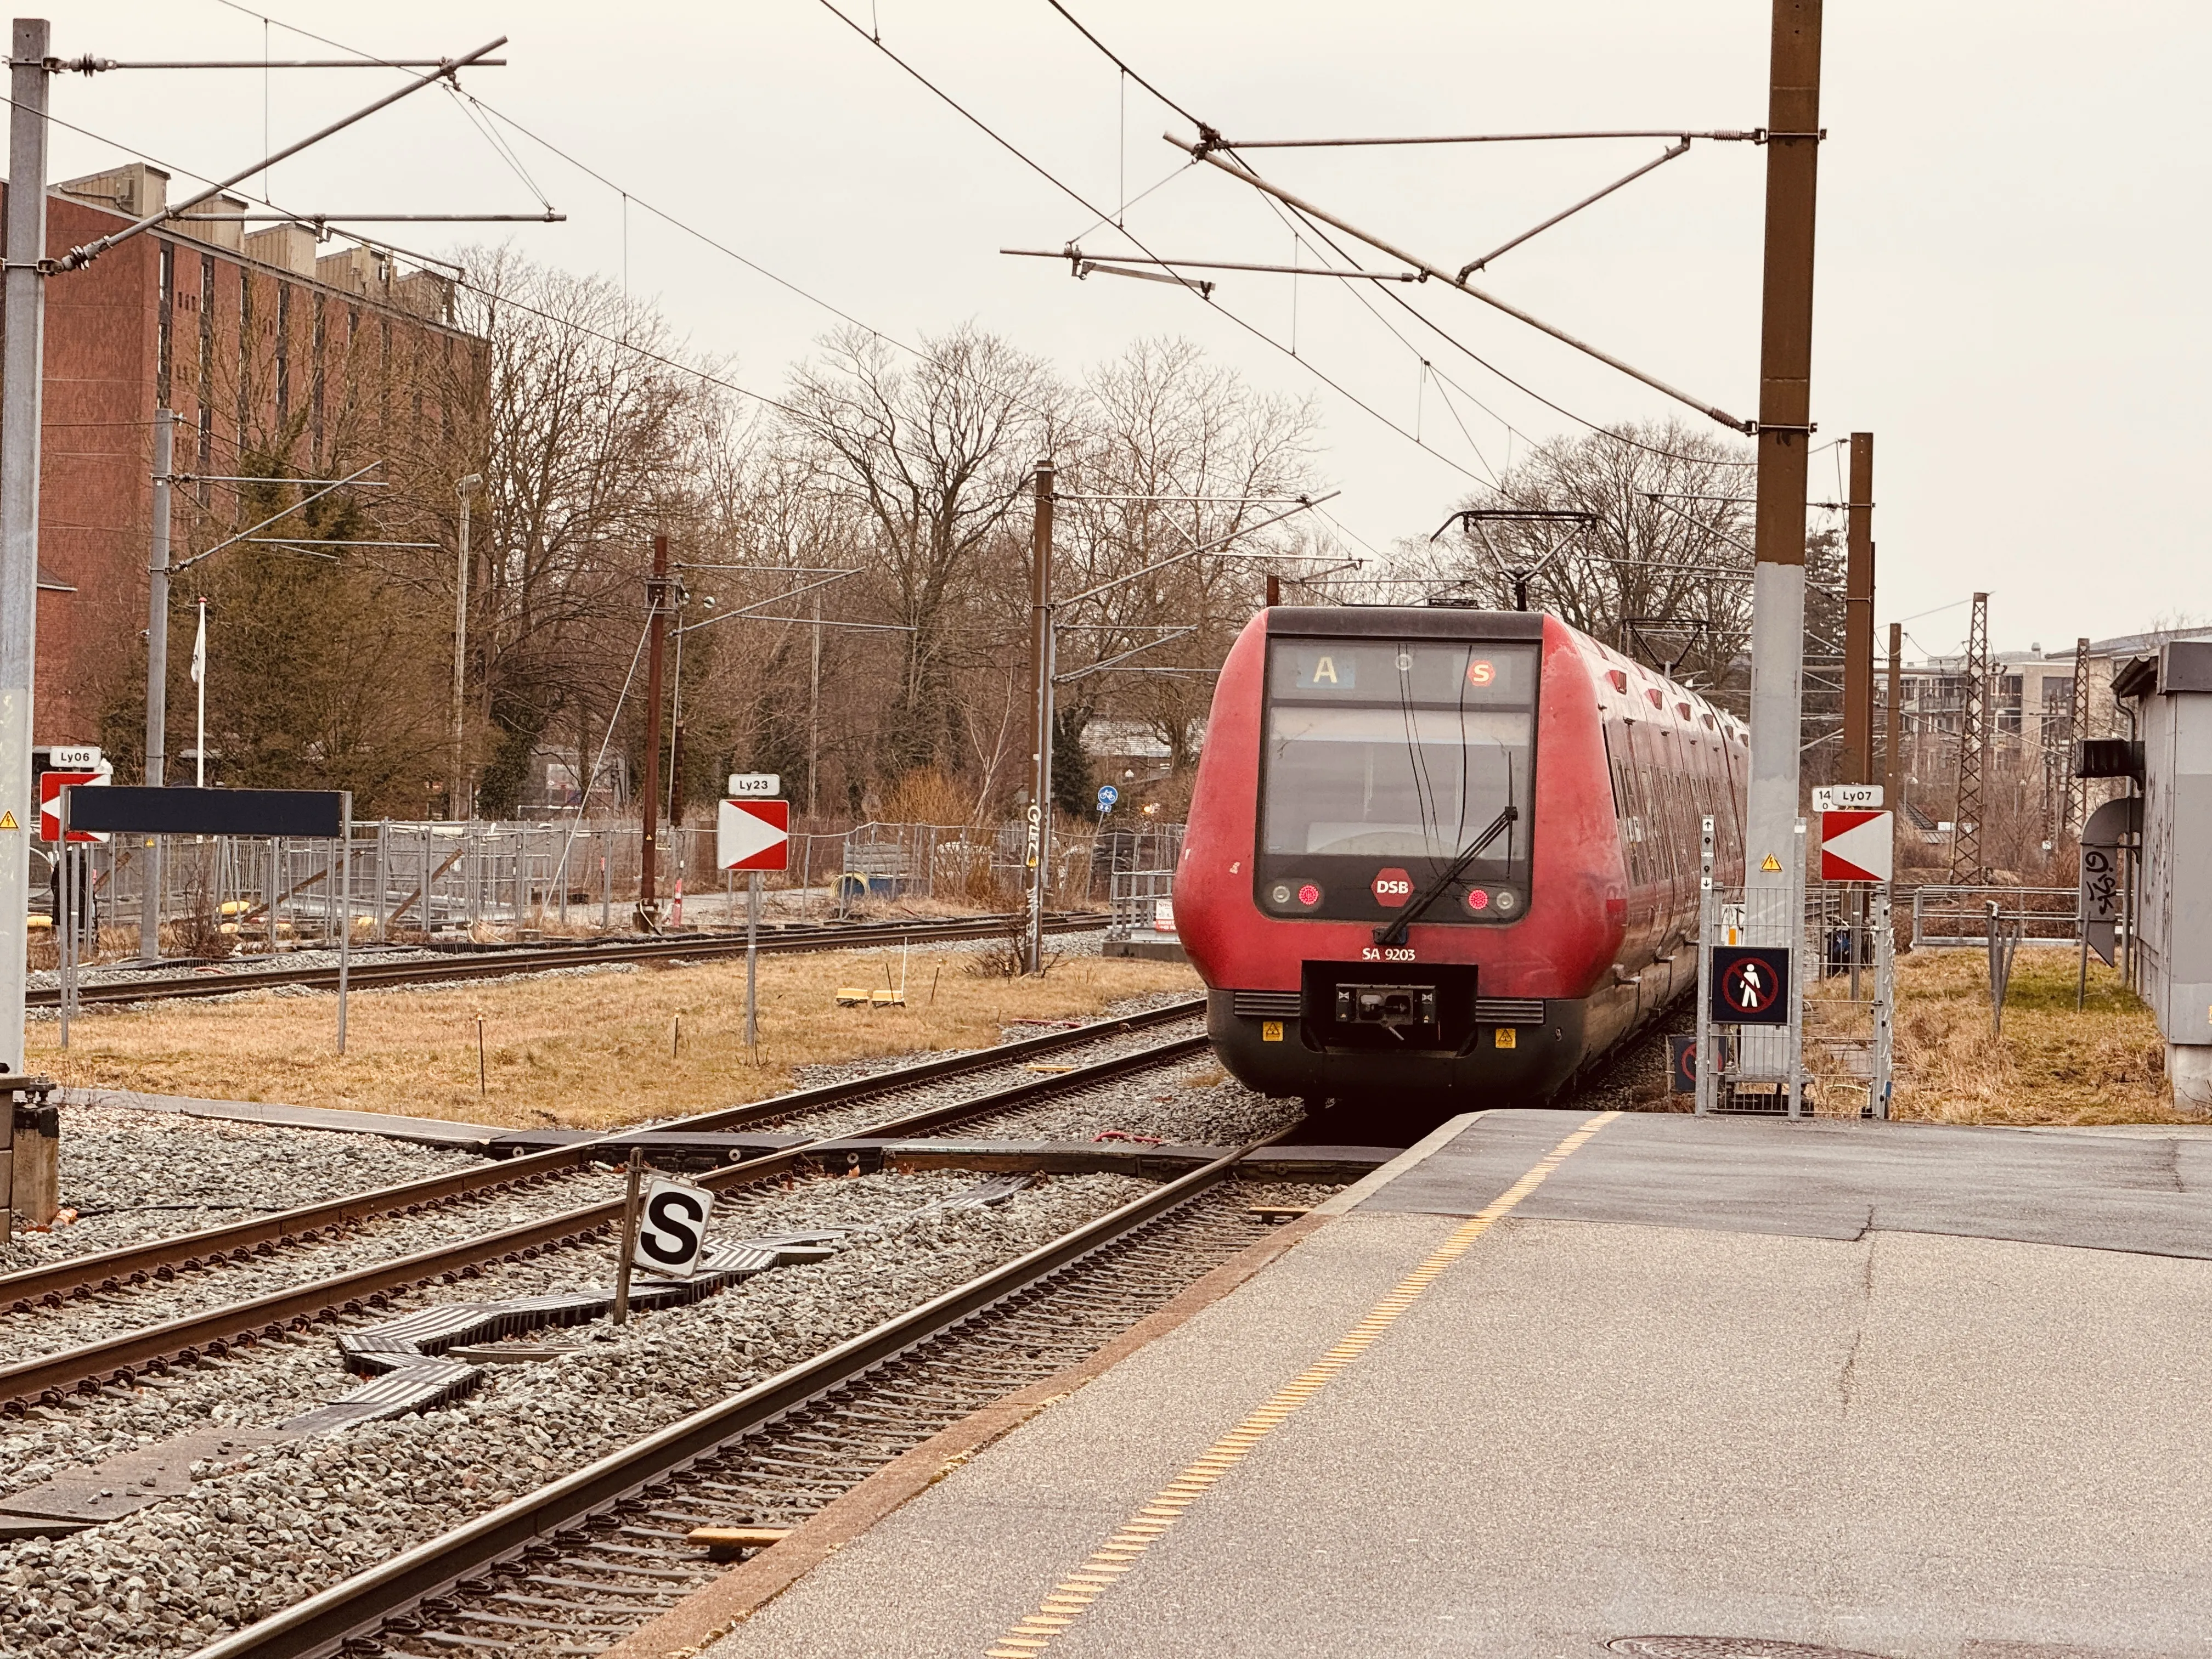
x,y
1445,852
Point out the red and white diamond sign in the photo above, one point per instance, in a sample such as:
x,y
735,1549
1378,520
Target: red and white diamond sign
x,y
1856,846
753,835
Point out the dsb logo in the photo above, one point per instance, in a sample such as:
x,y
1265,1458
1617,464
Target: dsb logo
x,y
1392,888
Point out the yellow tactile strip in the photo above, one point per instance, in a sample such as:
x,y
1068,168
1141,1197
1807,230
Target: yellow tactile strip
x,y
1074,1595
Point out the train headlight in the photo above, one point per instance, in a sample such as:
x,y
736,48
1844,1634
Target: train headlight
x,y
1507,900
1478,899
1294,894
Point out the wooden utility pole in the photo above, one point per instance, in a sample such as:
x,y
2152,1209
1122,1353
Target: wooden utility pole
x,y
1040,836
1893,727
1785,369
656,599
1858,615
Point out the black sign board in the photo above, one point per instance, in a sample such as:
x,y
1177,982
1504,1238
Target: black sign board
x,y
1682,1065
1751,985
145,811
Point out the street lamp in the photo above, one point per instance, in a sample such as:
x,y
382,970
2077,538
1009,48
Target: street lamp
x,y
458,795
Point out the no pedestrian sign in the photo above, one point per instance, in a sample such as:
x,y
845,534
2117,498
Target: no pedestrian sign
x,y
753,835
1751,985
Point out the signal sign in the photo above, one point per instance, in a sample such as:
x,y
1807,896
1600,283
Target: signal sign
x,y
671,1228
1392,888
1751,985
1856,846
50,785
753,835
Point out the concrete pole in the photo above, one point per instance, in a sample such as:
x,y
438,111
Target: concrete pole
x,y
1040,838
22,369
1778,637
656,597
1858,615
157,673
460,800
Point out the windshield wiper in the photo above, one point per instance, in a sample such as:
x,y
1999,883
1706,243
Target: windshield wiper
x,y
1395,933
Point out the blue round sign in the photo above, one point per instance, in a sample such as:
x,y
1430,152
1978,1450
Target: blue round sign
x,y
1108,794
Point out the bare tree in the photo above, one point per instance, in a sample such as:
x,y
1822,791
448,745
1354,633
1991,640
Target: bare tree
x,y
1183,465
936,454
596,434
1661,568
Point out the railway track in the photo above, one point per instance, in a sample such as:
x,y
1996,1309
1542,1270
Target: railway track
x,y
586,1559
914,1094
138,1264
367,972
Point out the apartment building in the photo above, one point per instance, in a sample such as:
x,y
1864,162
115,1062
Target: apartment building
x,y
273,355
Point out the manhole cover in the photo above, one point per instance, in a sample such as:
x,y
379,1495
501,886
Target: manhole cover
x,y
1728,1647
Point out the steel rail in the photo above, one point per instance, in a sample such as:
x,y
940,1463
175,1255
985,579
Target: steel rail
x,y
121,1358
22,1291
538,959
322,1623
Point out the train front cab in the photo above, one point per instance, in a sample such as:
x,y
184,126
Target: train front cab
x,y
1354,756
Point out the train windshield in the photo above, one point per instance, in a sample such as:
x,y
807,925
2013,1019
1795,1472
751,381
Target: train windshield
x,y
1385,762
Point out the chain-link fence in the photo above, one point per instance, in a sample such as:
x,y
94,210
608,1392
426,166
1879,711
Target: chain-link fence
x,y
415,879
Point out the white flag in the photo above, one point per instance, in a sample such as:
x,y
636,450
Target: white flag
x,y
199,650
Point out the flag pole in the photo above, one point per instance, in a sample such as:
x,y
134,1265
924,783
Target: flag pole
x,y
199,679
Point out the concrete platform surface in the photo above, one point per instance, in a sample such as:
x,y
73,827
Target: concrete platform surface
x,y
1899,1391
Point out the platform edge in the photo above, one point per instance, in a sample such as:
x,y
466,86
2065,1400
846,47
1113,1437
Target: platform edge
x,y
712,1612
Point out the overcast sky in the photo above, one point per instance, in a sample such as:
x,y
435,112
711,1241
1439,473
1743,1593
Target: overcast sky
x,y
2011,231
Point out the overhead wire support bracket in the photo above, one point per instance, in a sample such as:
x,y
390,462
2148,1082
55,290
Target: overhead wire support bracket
x,y
77,258
1304,503
1086,267
1751,135
1469,269
1120,656
90,65
318,220
275,518
1198,151
1078,257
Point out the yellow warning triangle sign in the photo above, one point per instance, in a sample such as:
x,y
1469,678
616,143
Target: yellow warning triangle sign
x,y
1773,864
7,821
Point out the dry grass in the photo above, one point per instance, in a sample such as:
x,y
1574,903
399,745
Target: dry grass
x,y
585,1052
2105,1064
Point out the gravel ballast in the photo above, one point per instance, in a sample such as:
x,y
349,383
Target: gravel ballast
x,y
381,1238
134,1175
286,1521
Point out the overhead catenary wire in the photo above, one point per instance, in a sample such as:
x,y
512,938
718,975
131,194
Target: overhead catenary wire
x,y
1400,300
1080,200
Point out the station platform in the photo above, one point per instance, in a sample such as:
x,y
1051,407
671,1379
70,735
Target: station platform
x,y
1559,1386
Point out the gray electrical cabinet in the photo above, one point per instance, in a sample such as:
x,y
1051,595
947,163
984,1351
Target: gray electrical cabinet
x,y
2173,693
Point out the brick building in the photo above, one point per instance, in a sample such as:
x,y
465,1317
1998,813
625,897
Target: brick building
x,y
274,358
